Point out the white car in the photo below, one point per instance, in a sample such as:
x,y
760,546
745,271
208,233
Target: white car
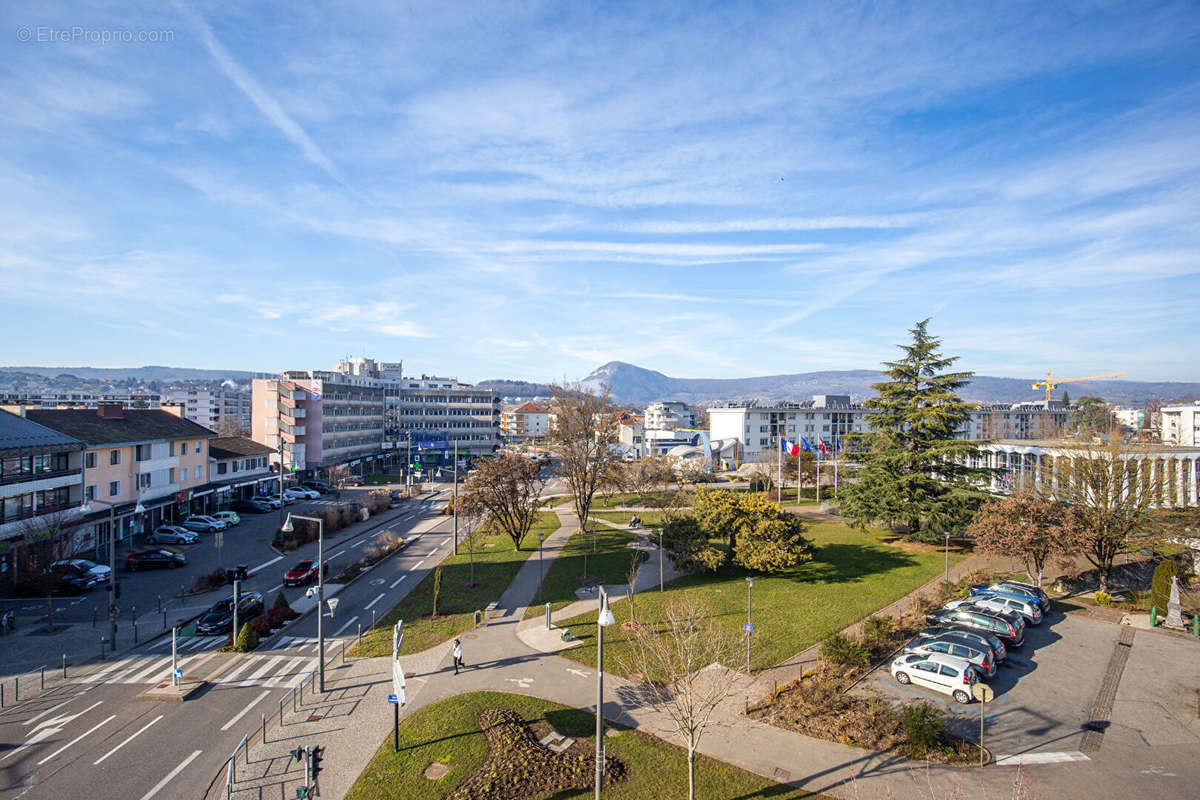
x,y
300,493
270,499
942,673
966,649
998,601
203,524
172,534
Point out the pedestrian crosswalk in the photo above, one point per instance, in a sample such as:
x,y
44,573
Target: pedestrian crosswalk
x,y
291,658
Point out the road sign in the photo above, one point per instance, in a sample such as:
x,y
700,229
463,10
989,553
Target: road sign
x,y
393,699
178,673
333,603
748,628
983,693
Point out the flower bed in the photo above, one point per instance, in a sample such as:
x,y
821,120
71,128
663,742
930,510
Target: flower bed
x,y
518,766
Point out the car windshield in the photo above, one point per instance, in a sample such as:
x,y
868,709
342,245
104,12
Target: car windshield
x,y
302,566
221,607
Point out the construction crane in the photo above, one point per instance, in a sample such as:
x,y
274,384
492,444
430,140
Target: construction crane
x,y
1051,382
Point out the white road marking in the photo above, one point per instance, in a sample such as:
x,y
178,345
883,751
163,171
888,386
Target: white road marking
x,y
268,663
32,720
1040,758
243,712
171,775
48,728
156,666
285,672
229,677
581,673
397,582
79,738
127,741
338,553
419,563
264,565
359,543
347,625
274,588
367,607
96,676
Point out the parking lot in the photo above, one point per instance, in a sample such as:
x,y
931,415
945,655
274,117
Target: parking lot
x,y
1044,692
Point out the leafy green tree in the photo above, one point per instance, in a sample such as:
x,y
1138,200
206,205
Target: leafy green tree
x,y
689,545
914,469
1161,583
755,533
1092,416
1066,399
247,639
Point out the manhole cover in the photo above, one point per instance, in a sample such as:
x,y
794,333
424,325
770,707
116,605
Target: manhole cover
x,y
436,771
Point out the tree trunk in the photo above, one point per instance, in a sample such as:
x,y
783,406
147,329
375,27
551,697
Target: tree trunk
x,y
692,772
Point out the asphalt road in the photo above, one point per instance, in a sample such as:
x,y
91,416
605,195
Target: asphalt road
x,y
93,736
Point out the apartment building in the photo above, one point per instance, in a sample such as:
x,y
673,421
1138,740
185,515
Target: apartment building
x,y
669,415
1181,424
238,467
41,476
54,399
323,420
213,408
439,414
523,422
149,465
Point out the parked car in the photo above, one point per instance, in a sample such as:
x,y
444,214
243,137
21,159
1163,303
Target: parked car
x,y
255,506
969,635
219,619
203,524
270,500
977,654
79,574
395,498
286,499
154,559
318,486
937,671
299,493
353,480
1028,589
172,534
1026,606
230,518
1003,629
304,572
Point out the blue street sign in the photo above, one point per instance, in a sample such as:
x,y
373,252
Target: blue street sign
x,y
393,699
178,673
748,628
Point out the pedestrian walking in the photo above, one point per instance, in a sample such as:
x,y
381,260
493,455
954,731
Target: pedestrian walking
x,y
458,662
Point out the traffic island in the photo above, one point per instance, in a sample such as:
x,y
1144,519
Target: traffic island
x,y
177,692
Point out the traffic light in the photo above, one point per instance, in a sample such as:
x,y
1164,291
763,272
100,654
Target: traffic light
x,y
317,753
297,754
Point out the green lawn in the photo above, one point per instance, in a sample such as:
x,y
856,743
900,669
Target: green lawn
x,y
622,517
447,731
496,564
609,562
852,574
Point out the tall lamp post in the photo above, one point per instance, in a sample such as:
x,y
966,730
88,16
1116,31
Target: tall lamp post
x,y
947,578
454,498
112,560
541,572
749,622
288,528
603,620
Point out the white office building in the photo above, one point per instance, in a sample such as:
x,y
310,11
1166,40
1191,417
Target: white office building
x,y
211,408
669,415
1181,424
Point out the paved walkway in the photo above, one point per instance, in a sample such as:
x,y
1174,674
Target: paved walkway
x,y
353,719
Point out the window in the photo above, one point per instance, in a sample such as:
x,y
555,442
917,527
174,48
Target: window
x,y
949,672
114,487
197,450
939,647
114,457
170,448
89,492
221,468
196,473
143,480
89,460
926,666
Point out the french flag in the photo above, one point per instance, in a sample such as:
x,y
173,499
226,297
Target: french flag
x,y
789,448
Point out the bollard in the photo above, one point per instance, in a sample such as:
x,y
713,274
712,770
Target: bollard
x,y
1,695
1153,616
281,712
372,619
264,728
360,631
164,613
158,597
135,641
343,651
477,615
16,688
103,642
43,678
1196,625
64,666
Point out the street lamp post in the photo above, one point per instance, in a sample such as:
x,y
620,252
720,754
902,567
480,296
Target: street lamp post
x,y
749,622
603,620
947,578
541,572
661,555
288,528
112,560
454,499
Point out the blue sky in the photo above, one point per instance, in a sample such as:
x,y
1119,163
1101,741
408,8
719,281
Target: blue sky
x,y
529,190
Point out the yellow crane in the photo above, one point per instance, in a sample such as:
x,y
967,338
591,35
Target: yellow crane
x,y
1052,382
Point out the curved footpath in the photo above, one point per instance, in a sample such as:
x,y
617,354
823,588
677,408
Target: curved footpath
x,y
353,718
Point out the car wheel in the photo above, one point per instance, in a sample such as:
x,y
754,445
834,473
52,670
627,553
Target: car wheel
x,y
902,677
961,697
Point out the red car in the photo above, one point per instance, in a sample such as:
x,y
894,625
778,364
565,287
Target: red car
x,y
304,572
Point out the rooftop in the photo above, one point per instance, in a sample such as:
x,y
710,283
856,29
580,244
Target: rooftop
x,y
225,447
133,425
21,433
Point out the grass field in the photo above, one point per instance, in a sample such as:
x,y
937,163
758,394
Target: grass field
x,y
609,562
852,574
622,517
447,732
496,564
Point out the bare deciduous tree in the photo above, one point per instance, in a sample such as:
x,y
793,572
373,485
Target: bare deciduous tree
x,y
228,427
1027,526
583,432
506,491
50,538
671,657
1112,486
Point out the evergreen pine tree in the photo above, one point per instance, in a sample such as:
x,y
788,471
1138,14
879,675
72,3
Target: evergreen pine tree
x,y
1066,401
914,469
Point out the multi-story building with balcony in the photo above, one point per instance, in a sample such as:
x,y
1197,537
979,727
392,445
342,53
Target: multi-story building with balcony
x,y
212,407
440,414
41,476
319,420
669,415
1181,424
524,422
151,457
57,399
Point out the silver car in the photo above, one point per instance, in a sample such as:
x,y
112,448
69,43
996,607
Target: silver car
x,y
978,655
172,534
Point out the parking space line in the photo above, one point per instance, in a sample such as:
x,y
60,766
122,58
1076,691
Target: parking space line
x,y
79,738
367,607
127,741
264,565
244,711
171,775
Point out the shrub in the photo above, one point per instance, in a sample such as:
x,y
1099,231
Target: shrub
x,y
844,651
1102,598
247,639
1160,585
277,616
280,602
261,626
878,629
925,728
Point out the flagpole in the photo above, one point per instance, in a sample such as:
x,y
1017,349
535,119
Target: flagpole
x,y
779,462
818,454
837,448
